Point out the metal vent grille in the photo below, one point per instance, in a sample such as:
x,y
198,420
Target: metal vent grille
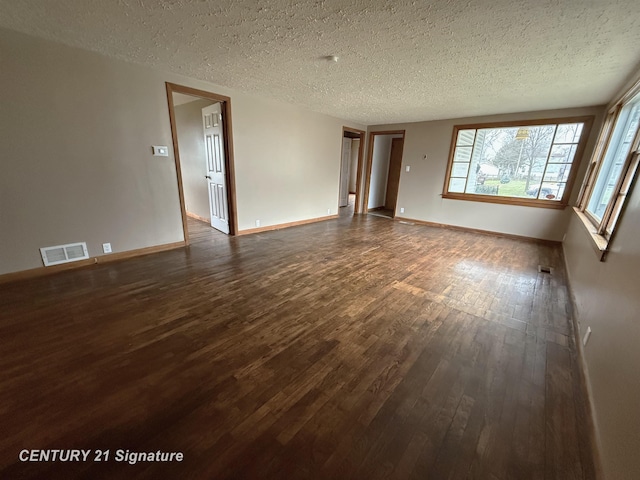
x,y
64,253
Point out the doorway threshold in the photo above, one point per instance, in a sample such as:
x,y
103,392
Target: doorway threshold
x,y
382,213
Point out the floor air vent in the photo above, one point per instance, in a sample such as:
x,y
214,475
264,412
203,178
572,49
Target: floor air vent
x,y
545,269
64,253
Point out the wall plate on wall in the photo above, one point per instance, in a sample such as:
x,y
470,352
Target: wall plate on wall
x,y
160,150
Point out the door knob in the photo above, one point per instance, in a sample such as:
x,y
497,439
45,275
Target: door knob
x,y
207,176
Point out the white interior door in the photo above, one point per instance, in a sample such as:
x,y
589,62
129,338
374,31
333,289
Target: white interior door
x,y
216,174
344,172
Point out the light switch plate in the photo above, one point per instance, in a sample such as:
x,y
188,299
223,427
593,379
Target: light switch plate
x,y
160,150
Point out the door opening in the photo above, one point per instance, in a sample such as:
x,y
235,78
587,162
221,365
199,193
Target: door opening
x,y
214,166
350,171
203,152
384,165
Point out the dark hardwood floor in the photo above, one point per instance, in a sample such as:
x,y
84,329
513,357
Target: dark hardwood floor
x,y
353,348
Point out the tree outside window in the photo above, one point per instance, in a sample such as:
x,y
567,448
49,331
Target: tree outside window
x,y
531,163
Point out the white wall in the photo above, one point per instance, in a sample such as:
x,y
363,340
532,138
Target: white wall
x,y
192,156
420,192
379,170
353,169
76,132
607,299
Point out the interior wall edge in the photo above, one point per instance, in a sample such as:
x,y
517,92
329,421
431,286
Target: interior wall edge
x,y
583,367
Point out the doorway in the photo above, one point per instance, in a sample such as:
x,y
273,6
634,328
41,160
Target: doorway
x,y
384,165
350,171
203,152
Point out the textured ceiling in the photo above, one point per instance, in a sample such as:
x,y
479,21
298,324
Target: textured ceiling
x,y
400,60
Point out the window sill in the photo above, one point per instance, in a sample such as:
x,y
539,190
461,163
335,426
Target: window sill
x,y
599,243
523,202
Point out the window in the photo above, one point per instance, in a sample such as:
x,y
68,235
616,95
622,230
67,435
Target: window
x,y
612,170
521,163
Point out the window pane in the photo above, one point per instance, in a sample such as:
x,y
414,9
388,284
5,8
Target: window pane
x,y
614,159
476,174
463,154
568,133
515,160
557,172
460,169
465,137
563,153
549,191
456,185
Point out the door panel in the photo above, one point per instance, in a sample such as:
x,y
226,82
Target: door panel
x,y
393,180
216,175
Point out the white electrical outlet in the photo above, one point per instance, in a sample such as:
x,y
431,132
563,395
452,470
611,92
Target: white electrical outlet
x,y
401,209
407,168
328,211
257,223
585,339
106,248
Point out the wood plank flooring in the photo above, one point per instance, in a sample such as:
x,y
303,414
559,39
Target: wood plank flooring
x,y
355,348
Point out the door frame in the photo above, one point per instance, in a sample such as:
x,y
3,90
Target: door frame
x,y
361,135
367,184
397,170
230,180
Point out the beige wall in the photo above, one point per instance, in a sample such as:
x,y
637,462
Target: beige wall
x,y
76,132
287,162
607,299
192,156
421,188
